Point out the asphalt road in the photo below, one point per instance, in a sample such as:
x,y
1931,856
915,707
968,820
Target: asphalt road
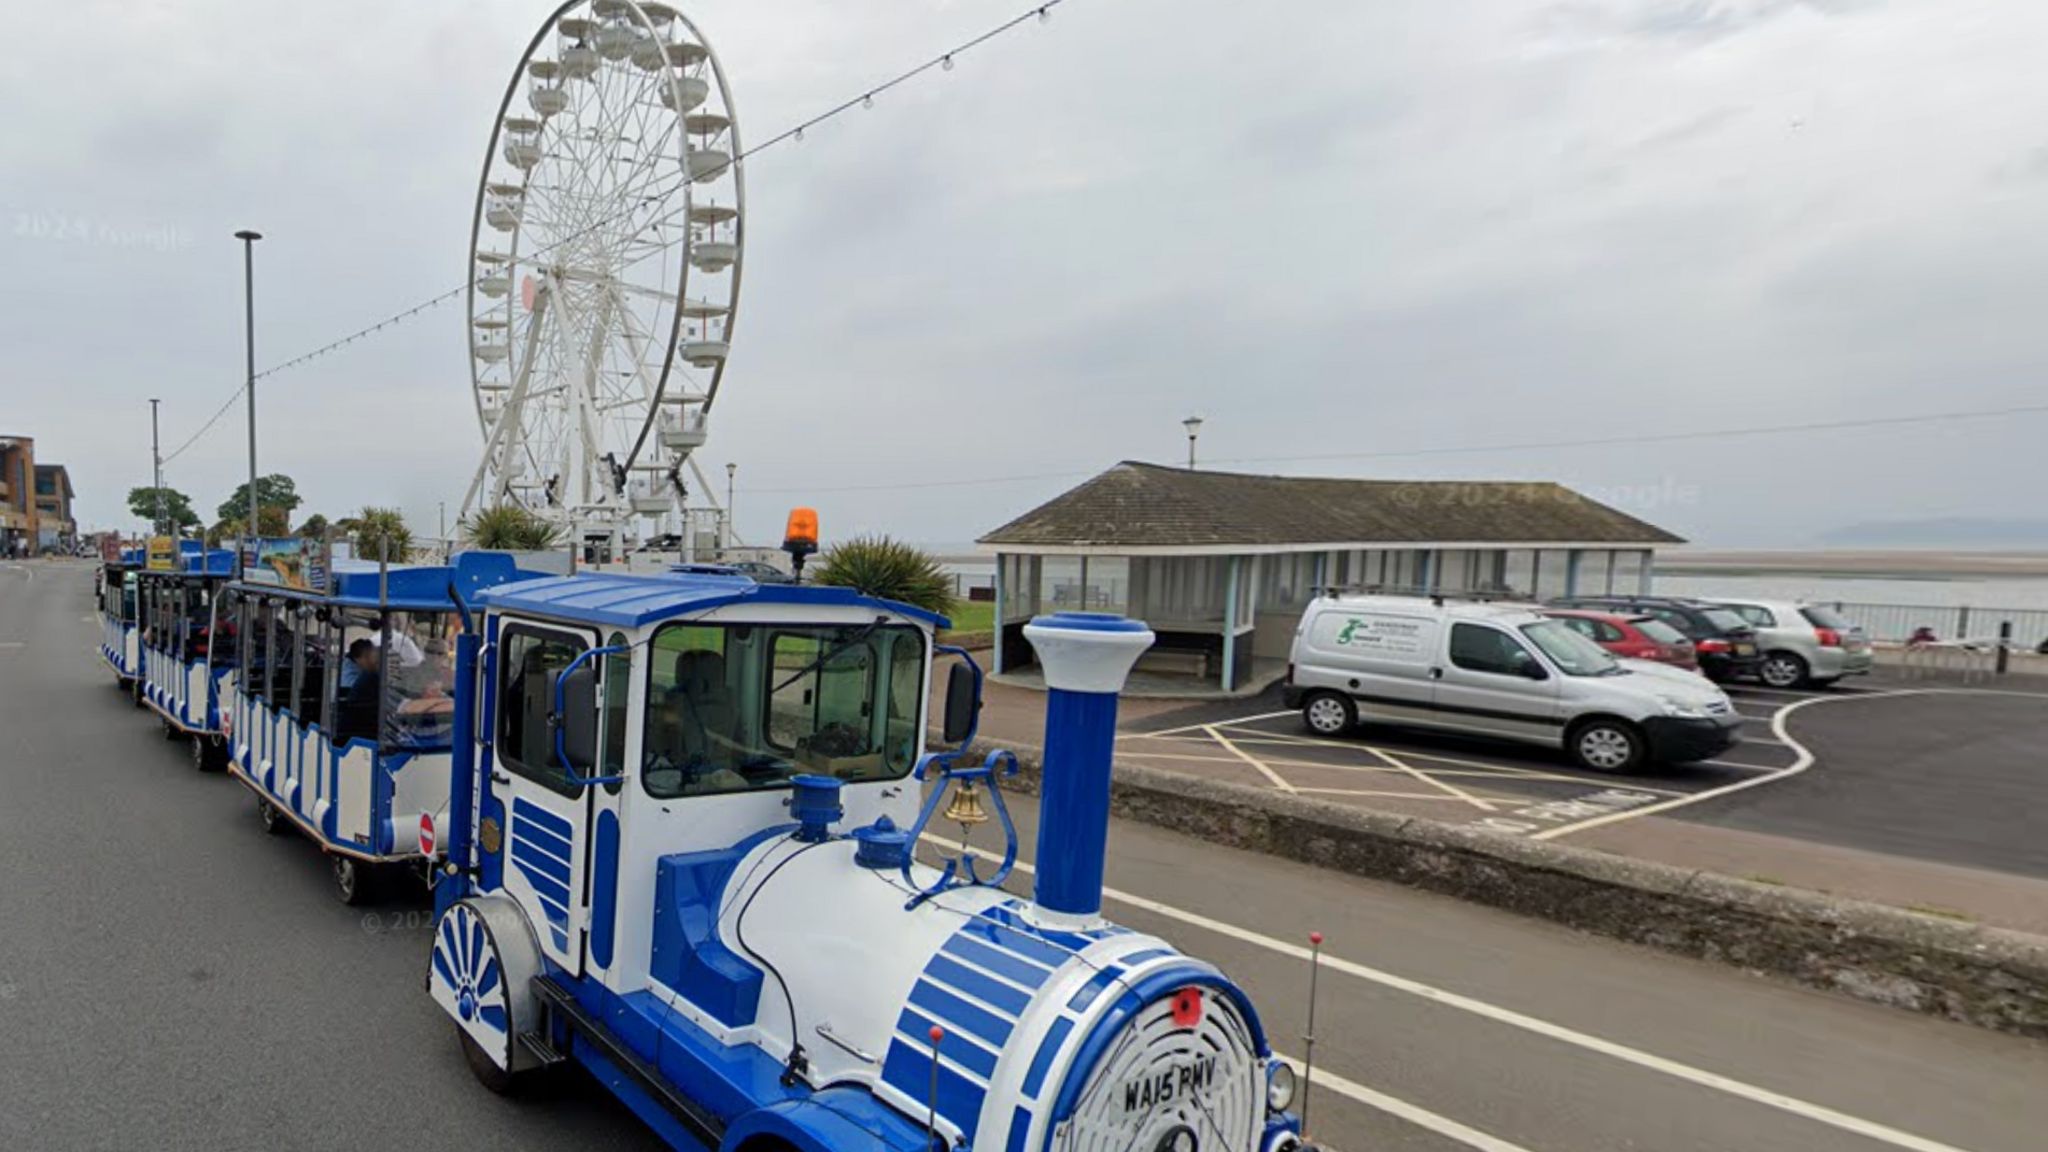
x,y
1957,777
172,978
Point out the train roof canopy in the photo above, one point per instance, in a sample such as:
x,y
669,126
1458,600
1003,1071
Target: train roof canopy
x,y
622,601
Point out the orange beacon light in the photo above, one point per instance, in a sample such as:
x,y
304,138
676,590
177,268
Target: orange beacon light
x,y
800,537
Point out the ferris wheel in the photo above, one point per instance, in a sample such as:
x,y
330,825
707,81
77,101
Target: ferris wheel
x,y
604,280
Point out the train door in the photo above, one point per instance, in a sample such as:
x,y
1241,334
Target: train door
x,y
547,817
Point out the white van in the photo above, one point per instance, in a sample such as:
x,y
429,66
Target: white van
x,y
1498,670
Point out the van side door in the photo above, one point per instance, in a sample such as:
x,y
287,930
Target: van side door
x,y
1382,659
1491,680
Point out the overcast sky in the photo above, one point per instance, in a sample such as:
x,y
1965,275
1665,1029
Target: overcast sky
x,y
1335,229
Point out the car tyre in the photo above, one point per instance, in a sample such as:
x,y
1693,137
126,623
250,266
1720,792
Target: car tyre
x,y
1612,747
1782,670
1329,714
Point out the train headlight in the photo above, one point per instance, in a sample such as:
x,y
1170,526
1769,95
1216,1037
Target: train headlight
x,y
1280,1085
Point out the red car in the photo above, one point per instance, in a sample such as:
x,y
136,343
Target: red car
x,y
1634,637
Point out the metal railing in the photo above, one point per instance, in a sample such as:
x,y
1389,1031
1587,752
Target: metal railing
x,y
1898,623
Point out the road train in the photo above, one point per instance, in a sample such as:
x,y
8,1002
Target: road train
x,y
672,824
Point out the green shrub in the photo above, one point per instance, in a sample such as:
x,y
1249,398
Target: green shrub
x,y
889,570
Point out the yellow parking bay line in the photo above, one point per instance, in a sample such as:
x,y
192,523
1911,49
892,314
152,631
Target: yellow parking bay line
x,y
1279,781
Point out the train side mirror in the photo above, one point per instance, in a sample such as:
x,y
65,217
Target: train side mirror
x,y
963,703
577,720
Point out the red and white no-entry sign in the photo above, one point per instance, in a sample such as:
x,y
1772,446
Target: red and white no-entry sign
x,y
426,835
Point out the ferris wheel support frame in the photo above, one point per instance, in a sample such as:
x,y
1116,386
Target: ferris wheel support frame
x,y
593,503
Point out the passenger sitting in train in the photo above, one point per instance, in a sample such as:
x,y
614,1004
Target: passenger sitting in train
x,y
357,711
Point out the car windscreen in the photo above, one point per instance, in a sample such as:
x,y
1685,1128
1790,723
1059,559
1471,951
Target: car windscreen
x,y
1726,620
1659,631
1573,654
1822,618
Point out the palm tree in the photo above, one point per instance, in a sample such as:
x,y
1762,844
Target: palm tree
x,y
381,534
890,570
510,528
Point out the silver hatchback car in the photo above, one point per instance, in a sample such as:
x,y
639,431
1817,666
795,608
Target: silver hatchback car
x,y
1803,645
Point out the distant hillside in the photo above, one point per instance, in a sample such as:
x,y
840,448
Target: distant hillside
x,y
1942,532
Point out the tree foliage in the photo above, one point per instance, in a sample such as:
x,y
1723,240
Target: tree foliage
x,y
177,508
381,534
888,569
276,490
270,523
510,528
312,527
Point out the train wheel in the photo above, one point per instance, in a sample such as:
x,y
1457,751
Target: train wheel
x,y
354,881
481,1066
481,973
273,820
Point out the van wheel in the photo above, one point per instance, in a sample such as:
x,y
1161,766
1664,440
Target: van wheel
x,y
1612,746
1328,714
1782,670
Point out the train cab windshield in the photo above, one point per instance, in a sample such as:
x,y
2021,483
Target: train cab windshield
x,y
738,707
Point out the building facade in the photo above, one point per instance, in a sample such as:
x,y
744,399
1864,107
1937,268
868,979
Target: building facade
x,y
18,519
56,529
1221,564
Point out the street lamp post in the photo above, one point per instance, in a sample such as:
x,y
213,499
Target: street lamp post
x,y
249,239
730,471
156,472
1194,426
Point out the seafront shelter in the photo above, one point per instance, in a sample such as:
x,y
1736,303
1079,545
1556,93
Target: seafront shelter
x,y
1221,564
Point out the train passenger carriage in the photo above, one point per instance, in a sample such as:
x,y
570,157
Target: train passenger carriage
x,y
682,856
119,644
338,708
179,663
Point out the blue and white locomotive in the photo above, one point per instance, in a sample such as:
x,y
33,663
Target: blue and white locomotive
x,y
680,854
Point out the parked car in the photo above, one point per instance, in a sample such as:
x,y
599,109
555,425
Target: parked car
x,y
1497,670
1631,636
1803,644
1723,642
760,572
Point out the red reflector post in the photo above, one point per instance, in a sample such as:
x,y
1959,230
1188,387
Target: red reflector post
x,y
1187,1007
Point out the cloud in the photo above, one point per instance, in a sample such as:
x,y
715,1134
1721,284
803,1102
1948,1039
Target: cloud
x,y
1333,228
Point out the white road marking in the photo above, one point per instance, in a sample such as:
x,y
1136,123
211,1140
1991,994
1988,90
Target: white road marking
x,y
1278,780
23,569
1819,1114
1400,1109
1739,766
1801,763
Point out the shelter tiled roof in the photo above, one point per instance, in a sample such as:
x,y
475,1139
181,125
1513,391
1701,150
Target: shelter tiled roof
x,y
1136,505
